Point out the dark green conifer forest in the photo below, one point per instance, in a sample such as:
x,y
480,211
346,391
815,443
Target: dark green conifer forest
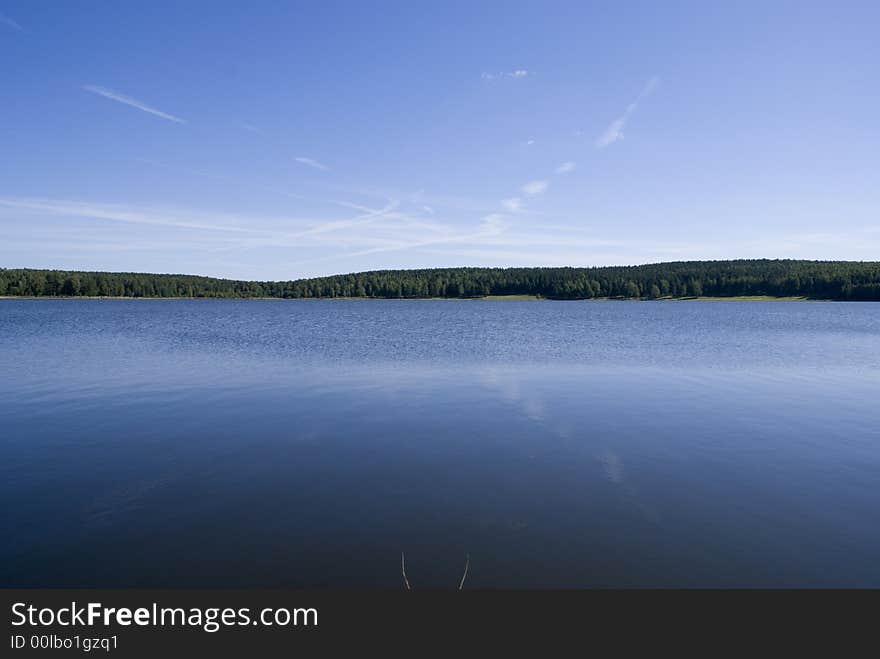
x,y
827,280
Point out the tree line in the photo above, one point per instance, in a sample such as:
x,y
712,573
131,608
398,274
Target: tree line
x,y
836,280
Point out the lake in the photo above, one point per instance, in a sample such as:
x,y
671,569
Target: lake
x,y
557,444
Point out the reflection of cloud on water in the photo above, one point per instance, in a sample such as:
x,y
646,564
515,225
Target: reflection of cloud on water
x,y
564,430
533,408
511,392
613,466
506,386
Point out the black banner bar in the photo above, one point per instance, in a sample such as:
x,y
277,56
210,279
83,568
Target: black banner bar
x,y
171,623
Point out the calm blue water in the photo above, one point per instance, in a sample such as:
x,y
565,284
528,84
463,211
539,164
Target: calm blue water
x,y
559,444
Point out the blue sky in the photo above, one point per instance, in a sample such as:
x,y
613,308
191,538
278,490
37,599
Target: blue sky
x,y
278,140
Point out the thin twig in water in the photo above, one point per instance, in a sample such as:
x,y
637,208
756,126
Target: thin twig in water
x,y
467,564
403,571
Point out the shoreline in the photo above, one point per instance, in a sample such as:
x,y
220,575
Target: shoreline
x,y
779,279
487,298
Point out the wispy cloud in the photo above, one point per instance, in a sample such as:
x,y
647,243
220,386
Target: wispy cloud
x,y
11,23
273,230
310,162
265,188
516,74
614,132
490,227
501,238
129,215
514,204
326,227
127,100
533,188
253,129
566,167
246,184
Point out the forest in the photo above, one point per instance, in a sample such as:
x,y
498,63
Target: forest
x,y
826,280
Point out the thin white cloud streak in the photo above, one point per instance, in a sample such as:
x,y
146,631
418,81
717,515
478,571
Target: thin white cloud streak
x,y
311,162
490,225
650,87
121,213
529,240
534,188
336,225
11,23
253,186
614,132
90,246
392,232
495,220
469,206
566,167
484,237
274,229
257,186
516,74
526,257
514,204
253,129
127,100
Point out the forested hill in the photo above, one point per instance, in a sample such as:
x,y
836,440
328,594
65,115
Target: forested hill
x,y
838,280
